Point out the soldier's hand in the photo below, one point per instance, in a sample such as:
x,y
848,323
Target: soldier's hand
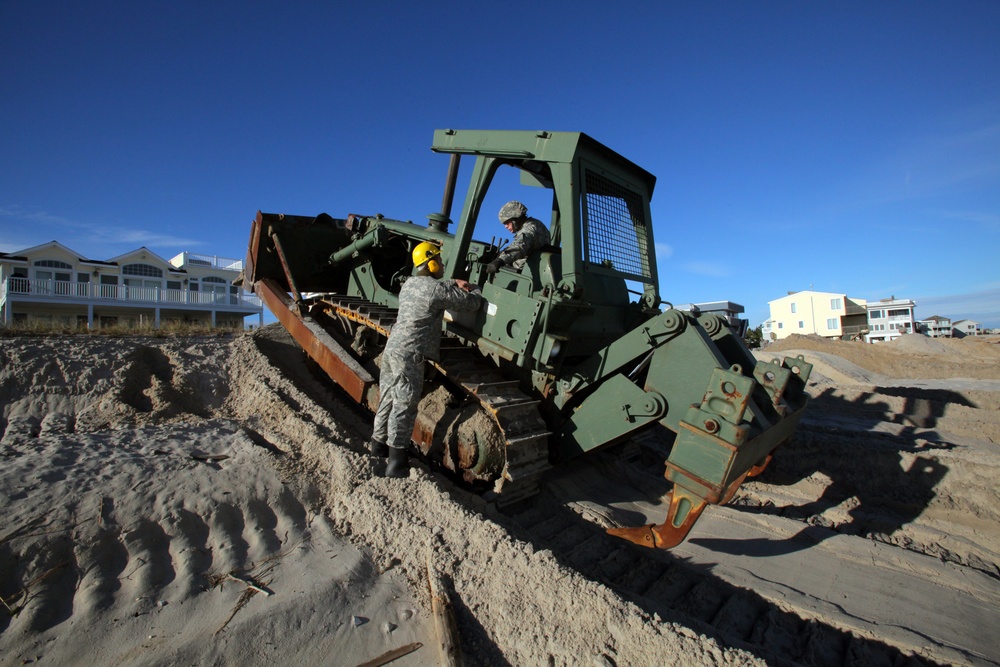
x,y
492,267
463,285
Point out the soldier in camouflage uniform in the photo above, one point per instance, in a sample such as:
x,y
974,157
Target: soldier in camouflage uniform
x,y
416,336
530,235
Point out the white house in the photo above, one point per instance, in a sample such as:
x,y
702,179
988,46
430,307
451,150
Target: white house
x,y
827,314
963,328
936,326
889,319
52,283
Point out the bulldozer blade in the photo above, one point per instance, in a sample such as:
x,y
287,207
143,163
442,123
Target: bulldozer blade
x,y
684,510
760,467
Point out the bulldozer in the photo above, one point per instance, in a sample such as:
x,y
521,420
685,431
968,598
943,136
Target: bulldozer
x,y
572,353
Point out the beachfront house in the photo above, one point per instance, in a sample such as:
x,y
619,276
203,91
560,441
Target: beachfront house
x,y
50,283
963,328
826,314
935,326
889,319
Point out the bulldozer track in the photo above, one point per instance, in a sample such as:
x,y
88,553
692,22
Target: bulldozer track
x,y
667,587
515,413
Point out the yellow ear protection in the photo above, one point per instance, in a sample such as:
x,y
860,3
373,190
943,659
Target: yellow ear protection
x,y
429,253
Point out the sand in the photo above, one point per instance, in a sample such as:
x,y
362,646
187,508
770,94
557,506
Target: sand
x,y
209,500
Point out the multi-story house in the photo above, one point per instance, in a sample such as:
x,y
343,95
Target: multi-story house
x,y
889,319
936,326
826,314
52,283
963,328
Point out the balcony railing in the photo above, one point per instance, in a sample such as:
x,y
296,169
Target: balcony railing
x,y
212,261
83,292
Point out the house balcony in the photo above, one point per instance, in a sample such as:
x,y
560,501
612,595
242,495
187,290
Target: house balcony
x,y
57,291
211,261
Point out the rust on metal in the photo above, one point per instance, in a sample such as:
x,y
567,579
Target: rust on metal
x,y
287,269
684,510
318,344
760,467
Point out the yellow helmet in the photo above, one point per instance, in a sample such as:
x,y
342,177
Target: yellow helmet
x,y
427,253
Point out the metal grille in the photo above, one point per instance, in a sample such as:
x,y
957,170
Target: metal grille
x,y
616,227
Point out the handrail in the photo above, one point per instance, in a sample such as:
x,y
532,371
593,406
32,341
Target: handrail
x,y
213,261
59,289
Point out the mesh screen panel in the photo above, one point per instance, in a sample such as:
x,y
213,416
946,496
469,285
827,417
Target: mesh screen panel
x,y
615,227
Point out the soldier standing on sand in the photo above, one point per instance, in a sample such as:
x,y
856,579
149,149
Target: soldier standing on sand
x,y
530,235
416,336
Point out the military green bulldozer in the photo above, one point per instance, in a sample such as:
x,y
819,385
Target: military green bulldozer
x,y
572,353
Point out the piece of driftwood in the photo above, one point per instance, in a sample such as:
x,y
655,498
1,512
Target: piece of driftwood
x,y
389,656
249,583
444,617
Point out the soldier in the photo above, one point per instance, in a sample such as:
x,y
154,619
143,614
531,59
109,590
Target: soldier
x,y
530,235
415,336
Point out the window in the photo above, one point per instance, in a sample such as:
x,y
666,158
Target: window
x,y
875,315
215,287
142,270
82,284
781,325
793,307
53,264
615,227
109,286
174,292
57,282
831,323
899,312
836,304
802,325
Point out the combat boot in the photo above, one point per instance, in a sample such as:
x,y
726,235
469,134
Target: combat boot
x,y
399,464
379,448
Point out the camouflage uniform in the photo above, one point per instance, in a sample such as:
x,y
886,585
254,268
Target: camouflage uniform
x,y
531,237
415,336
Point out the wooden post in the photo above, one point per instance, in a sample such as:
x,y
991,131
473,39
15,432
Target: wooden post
x,y
444,617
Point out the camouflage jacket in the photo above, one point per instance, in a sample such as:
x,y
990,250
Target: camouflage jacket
x,y
422,302
530,238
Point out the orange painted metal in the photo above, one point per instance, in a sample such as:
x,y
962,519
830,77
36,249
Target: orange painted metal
x,y
669,533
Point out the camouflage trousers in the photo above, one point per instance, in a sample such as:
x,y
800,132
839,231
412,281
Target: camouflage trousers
x,y
401,382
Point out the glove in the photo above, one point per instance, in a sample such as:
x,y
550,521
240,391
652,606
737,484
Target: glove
x,y
492,267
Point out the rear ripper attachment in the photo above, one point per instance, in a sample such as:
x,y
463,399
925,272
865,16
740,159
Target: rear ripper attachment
x,y
568,354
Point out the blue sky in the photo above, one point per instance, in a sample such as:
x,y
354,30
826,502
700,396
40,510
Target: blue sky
x,y
841,146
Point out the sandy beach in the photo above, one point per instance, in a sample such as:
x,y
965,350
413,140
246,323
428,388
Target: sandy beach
x,y
209,500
